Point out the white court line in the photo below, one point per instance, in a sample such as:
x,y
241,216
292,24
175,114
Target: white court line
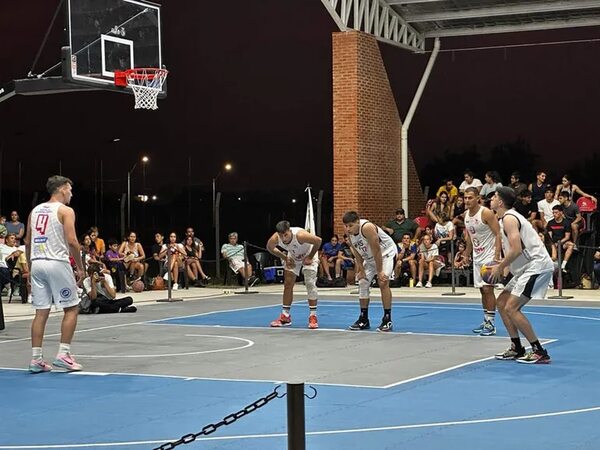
x,y
322,433
144,322
248,342
448,369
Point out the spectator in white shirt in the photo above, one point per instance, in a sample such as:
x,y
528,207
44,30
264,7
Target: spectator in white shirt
x,y
428,261
545,208
470,181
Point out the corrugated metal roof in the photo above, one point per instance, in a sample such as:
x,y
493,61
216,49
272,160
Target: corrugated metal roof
x,y
439,18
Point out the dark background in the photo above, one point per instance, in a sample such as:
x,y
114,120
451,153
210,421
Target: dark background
x,y
250,84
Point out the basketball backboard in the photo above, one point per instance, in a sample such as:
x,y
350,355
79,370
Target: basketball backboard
x,y
105,36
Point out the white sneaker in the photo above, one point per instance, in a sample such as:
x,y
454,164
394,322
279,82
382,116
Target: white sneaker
x,y
175,286
428,284
419,284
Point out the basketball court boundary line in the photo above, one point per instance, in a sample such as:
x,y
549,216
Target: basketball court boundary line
x,y
323,433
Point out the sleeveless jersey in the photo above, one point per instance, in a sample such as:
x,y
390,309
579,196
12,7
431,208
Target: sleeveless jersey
x,y
295,249
534,254
47,233
482,237
538,192
360,243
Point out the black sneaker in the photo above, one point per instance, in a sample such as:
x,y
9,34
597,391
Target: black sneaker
x,y
360,324
386,325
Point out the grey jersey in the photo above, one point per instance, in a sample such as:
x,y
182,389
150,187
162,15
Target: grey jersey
x,y
360,243
534,254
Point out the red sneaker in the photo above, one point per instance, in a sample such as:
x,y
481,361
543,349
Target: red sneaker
x,y
313,322
283,321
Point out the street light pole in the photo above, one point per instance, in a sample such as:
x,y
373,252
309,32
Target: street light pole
x,y
227,168
129,198
145,159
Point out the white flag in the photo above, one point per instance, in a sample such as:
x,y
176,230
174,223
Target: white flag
x,y
309,223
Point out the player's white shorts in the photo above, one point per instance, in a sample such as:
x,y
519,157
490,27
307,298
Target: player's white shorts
x,y
300,266
530,284
387,266
52,282
477,281
236,264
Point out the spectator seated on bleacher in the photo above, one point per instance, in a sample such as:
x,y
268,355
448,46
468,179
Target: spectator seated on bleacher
x,y
429,261
441,205
400,225
196,275
470,181
492,182
444,234
544,207
175,254
559,230
572,189
406,260
458,214
345,261
525,207
233,252
134,256
461,261
449,188
328,258
572,214
516,183
114,263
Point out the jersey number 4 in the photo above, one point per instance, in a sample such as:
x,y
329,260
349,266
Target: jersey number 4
x,y
41,223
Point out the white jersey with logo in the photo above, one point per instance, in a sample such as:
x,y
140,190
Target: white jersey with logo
x,y
360,243
482,237
534,256
47,233
295,249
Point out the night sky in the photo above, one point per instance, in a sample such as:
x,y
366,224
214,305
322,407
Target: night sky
x,y
250,83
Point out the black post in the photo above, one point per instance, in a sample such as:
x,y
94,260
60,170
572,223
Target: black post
x,y
246,291
452,272
560,295
295,416
2,325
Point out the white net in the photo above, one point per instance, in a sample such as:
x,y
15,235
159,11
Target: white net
x,y
146,85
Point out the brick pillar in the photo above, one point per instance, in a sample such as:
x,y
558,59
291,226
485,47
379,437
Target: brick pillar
x,y
366,135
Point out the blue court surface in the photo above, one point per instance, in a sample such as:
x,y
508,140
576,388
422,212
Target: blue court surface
x,y
489,404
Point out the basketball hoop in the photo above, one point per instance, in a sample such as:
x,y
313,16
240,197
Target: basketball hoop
x,y
146,84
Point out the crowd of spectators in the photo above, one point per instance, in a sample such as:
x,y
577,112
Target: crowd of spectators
x,y
427,244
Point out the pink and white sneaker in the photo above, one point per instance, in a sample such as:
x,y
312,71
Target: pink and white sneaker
x,y
39,366
67,362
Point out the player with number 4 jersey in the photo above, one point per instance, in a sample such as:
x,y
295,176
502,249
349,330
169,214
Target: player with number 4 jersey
x,y
50,240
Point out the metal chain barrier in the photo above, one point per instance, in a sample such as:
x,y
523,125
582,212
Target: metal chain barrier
x,y
227,420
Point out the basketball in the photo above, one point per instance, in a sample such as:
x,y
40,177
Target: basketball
x,y
486,271
137,286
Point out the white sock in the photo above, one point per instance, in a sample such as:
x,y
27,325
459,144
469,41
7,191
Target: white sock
x,y
64,349
563,265
36,352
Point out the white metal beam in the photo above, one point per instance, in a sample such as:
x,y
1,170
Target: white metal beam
x,y
505,10
410,2
536,26
375,17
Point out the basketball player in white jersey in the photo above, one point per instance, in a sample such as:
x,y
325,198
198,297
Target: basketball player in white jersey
x,y
49,240
301,247
532,270
483,242
374,251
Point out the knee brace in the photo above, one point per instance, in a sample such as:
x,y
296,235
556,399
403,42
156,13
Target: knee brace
x,y
310,281
364,288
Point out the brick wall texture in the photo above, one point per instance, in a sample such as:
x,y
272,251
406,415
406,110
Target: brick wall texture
x,y
366,135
